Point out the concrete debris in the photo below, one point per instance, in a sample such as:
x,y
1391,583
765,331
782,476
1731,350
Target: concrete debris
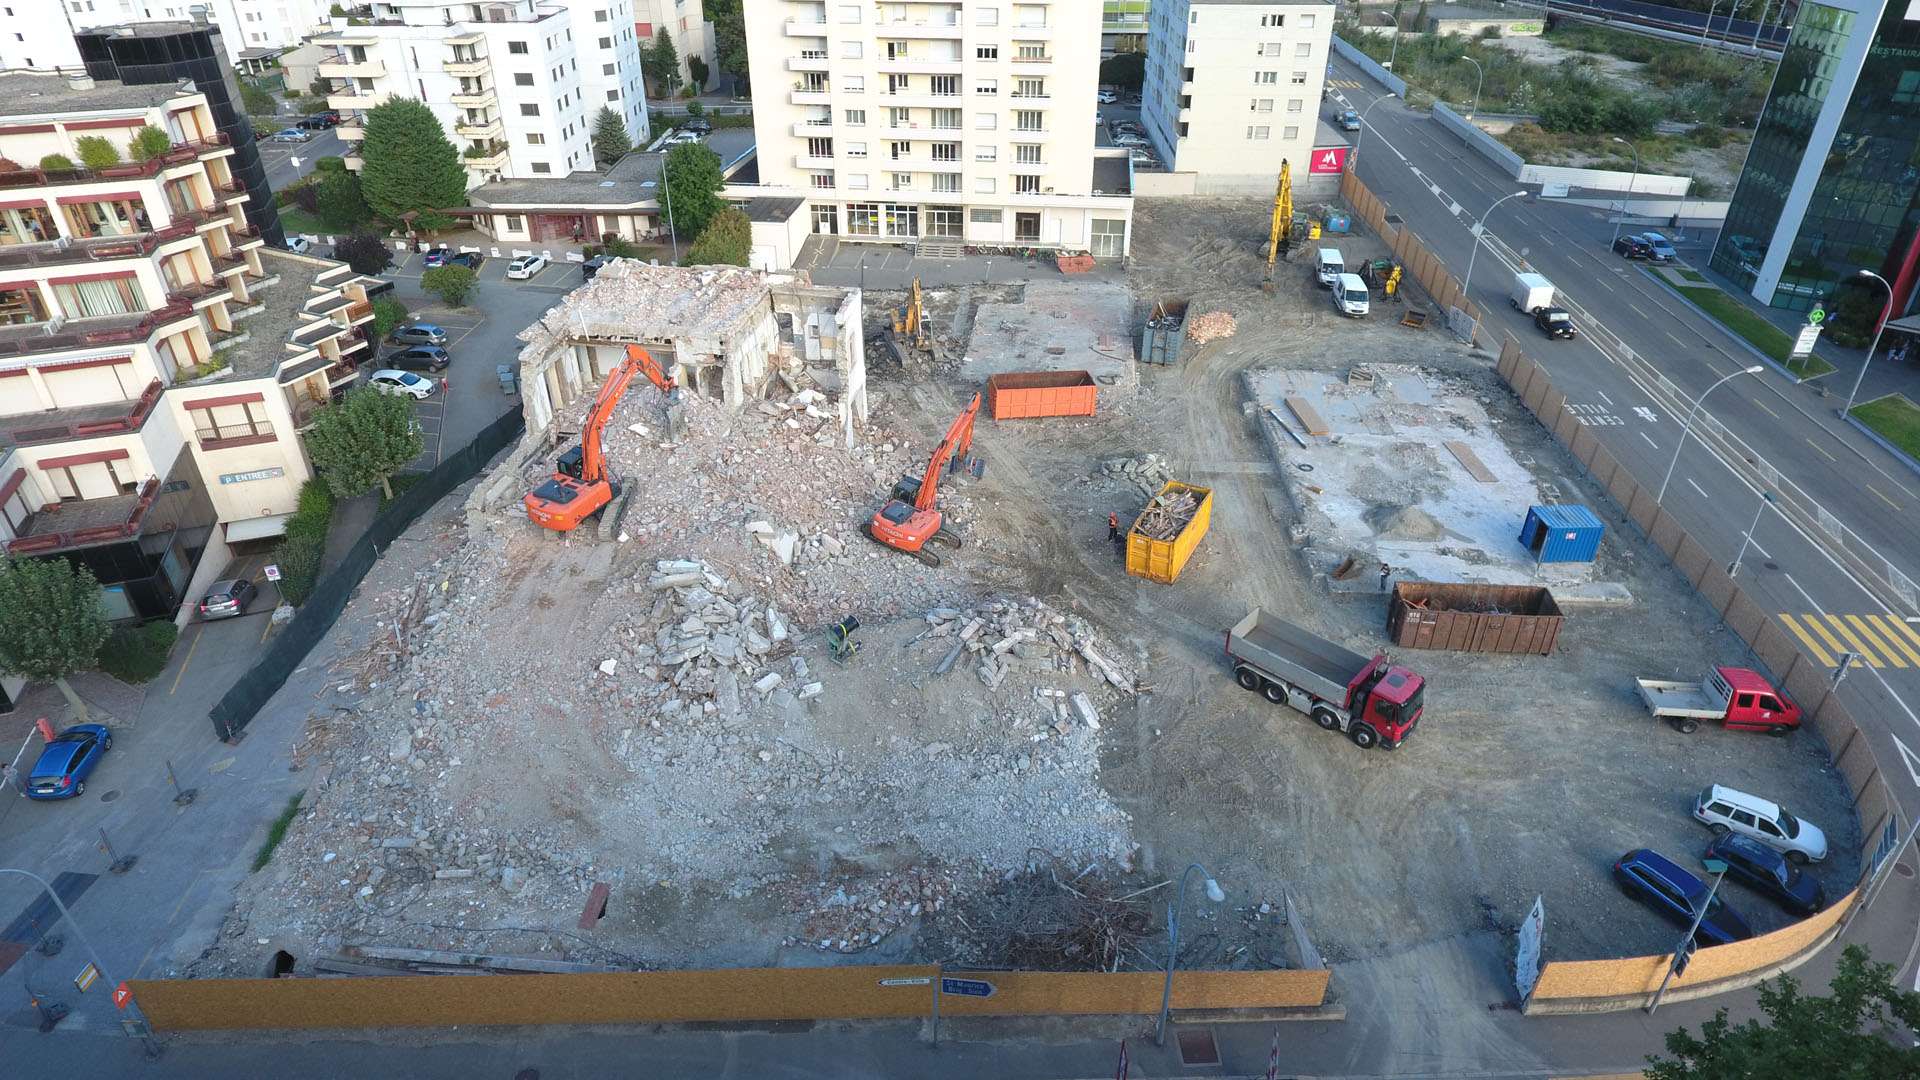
x,y
1211,326
1148,472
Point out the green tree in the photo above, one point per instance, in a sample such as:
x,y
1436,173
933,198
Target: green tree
x,y
340,203
96,152
256,101
51,623
609,137
697,72
664,59
410,165
693,187
330,164
1837,1036
450,283
730,41
57,163
726,240
320,88
694,108
387,314
1855,309
1125,70
148,143
364,252
364,440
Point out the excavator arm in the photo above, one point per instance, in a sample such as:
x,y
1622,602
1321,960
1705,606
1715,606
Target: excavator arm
x,y
958,441
1282,225
638,360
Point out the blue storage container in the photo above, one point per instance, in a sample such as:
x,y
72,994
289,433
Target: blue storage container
x,y
1566,533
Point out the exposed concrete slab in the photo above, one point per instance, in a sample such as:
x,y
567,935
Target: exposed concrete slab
x,y
1089,322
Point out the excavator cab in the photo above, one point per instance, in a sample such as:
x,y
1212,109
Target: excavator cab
x,y
908,520
572,463
581,485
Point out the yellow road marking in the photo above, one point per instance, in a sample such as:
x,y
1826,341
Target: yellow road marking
x,y
1867,633
1826,659
1832,642
1764,409
1883,498
268,625
178,675
1859,646
1890,628
1905,628
1823,453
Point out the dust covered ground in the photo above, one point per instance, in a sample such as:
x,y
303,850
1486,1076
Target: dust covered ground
x,y
881,810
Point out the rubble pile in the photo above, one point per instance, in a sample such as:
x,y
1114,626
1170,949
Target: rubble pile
x,y
1148,472
1211,326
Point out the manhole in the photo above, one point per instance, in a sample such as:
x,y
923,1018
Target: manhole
x,y
1197,1047
1903,869
110,796
1771,565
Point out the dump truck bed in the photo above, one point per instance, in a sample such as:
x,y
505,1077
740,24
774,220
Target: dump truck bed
x,y
1295,655
1666,698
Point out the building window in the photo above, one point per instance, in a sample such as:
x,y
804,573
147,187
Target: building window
x,y
856,149
108,296
1263,105
535,138
945,85
946,119
986,153
541,167
1295,105
856,117
1306,22
983,184
230,424
986,121
850,50
857,182
1029,120
513,223
849,13
947,182
822,179
613,95
946,151
517,48
902,181
986,16
901,220
1030,88
600,16
1109,238
1266,78
529,110
898,150
20,305
1026,153
1270,48
1305,48
1030,51
986,52
984,217
819,147
853,84
1026,184
1279,20
945,221
863,219
606,69
1258,132
606,43
1290,133
522,78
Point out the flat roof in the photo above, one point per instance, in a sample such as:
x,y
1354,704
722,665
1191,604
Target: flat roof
x,y
283,305
1110,176
24,95
772,209
629,300
626,184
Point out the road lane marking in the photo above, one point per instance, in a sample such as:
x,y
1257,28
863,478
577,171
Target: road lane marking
x,y
1867,634
1883,498
1650,441
197,635
1637,311
1826,659
1859,646
1697,487
1905,628
1821,629
1816,446
1604,397
1763,408
1675,340
1890,628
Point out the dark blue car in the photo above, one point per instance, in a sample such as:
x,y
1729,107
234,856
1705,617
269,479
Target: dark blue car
x,y
1656,881
436,257
67,761
1766,871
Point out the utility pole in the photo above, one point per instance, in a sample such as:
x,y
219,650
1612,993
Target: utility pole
x,y
1683,951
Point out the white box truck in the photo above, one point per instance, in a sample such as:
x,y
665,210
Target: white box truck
x,y
1531,292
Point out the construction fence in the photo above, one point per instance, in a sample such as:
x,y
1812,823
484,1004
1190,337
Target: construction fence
x,y
1420,264
746,994
234,711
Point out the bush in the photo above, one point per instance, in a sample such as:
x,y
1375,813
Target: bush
x,y
96,153
137,654
57,163
148,143
1488,33
364,252
387,314
452,284
1711,136
304,547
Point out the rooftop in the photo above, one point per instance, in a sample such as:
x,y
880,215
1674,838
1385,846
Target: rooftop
x,y
772,209
26,95
282,312
1111,177
624,185
629,300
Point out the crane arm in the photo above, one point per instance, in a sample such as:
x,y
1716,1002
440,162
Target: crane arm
x,y
592,469
1282,216
959,438
655,374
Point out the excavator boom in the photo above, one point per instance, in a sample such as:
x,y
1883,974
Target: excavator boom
x,y
564,501
958,441
1282,227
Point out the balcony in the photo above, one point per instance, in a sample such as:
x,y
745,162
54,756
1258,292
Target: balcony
x,y
471,68
87,421
809,95
493,156
1031,64
94,250
804,160
181,154
813,129
921,65
357,313
246,237
479,131
808,61
949,27
479,99
806,28
195,293
350,131
85,522
469,37
354,100
228,436
351,69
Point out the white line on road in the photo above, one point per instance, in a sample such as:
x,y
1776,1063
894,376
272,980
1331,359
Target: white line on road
x,y
1675,340
1650,441
1604,397
1698,488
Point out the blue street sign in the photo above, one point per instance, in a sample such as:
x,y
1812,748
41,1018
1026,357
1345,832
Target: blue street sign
x,y
967,987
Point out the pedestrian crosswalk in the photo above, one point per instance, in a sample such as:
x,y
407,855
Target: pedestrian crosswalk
x,y
1881,641
1344,84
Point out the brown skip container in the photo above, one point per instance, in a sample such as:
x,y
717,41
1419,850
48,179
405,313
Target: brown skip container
x,y
1023,395
1474,618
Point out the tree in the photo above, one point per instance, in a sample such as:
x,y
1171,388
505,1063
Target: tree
x,y
387,314
450,283
1838,1036
257,101
148,143
339,201
730,40
51,624
364,252
96,152
694,108
364,440
609,137
1125,70
1855,312
320,88
57,163
725,241
693,187
410,165
697,71
664,58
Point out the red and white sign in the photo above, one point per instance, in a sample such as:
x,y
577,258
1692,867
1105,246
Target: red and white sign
x,y
122,996
1328,160
46,729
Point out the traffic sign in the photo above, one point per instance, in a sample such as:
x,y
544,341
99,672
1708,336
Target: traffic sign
x,y
921,981
122,996
967,987
1803,344
87,977
273,571
1817,316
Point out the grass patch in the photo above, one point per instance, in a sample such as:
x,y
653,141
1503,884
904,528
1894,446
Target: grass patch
x,y
1751,326
1692,275
295,221
137,654
277,832
1894,418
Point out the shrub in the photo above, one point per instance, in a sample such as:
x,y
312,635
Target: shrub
x,y
304,547
387,314
452,284
148,143
96,152
364,252
57,163
136,654
1488,33
1711,136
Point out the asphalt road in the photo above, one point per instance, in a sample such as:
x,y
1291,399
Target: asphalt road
x,y
289,161
1439,187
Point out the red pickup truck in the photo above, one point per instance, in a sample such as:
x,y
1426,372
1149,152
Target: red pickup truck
x,y
1740,698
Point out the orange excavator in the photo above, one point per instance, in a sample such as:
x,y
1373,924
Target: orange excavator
x,y
580,487
908,520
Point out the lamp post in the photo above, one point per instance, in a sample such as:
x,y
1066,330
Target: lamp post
x,y
1477,84
1761,23
1631,183
1885,310
1355,156
1477,232
99,965
1214,894
1733,568
1394,52
666,192
1686,426
1708,29
1685,949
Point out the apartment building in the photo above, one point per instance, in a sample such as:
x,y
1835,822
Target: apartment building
x,y
1123,26
516,83
250,30
936,122
157,358
1233,89
35,35
687,21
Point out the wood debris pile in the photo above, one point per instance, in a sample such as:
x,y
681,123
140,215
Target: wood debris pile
x,y
1166,514
1211,326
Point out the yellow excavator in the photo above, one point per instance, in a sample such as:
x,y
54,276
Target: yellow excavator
x,y
1280,234
910,322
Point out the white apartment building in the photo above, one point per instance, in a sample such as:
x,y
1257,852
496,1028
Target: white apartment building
x,y
515,83
1232,89
936,121
35,36
249,29
687,21
157,360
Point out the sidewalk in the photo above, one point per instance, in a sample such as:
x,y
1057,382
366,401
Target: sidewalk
x,y
350,520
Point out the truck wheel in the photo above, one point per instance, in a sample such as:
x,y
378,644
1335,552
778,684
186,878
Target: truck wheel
x,y
1325,718
1686,725
1275,693
1362,736
1247,679
1779,731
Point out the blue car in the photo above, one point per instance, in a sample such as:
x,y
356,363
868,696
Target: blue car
x,y
1659,248
67,761
1656,881
436,257
1768,873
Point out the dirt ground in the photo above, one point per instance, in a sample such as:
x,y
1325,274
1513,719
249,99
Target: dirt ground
x,y
973,814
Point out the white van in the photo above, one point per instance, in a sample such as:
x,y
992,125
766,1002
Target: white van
x,y
1725,810
1328,266
1350,295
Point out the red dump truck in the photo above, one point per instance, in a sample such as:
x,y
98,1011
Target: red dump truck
x,y
1374,702
1740,698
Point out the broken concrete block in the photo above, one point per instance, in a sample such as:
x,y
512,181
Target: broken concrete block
x,y
607,665
762,529
812,689
784,544
767,682
1083,705
776,626
674,581
401,748
452,875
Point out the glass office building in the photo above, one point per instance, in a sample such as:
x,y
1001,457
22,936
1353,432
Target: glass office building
x,y
1830,184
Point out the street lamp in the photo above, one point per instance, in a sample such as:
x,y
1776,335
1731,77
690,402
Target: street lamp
x,y
1478,83
1885,310
1686,426
1395,51
1477,232
1733,568
1355,156
1685,949
1761,23
1708,29
99,965
1631,182
666,192
1214,894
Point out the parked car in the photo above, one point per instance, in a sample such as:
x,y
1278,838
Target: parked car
x,y
1129,127
299,245
1350,296
1349,120
1132,142
420,358
389,381
1654,880
1631,246
1725,810
227,598
1768,873
524,267
67,761
420,333
434,257
682,136
698,123
469,259
319,121
1659,248
591,267
1106,97
1142,157
292,134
